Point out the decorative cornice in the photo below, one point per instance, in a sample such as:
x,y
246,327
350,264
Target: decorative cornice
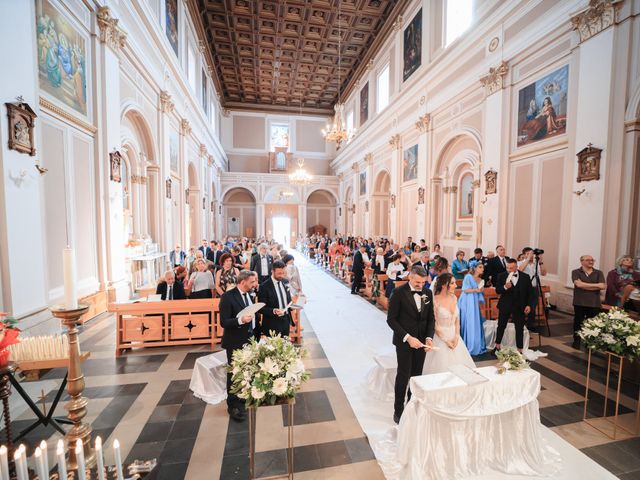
x,y
201,46
166,104
369,65
47,105
494,80
185,127
397,25
394,141
423,123
598,16
141,179
110,32
226,112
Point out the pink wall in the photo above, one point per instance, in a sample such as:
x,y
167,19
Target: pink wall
x,y
248,132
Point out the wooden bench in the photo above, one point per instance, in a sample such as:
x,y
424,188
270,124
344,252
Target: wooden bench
x,y
166,323
368,282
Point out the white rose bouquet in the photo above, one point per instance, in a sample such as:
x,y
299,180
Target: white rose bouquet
x,y
614,331
510,359
267,371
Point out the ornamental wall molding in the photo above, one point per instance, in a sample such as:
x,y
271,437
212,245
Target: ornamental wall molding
x,y
110,32
397,25
494,80
185,127
166,104
66,116
423,123
141,179
598,16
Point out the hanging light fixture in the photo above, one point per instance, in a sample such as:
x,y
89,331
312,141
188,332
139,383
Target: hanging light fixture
x,y
300,176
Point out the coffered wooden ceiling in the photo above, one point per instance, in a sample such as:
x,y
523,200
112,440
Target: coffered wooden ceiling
x,y
271,55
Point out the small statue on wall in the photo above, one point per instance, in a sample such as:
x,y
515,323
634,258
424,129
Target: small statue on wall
x,y
339,211
21,124
393,200
366,206
589,163
186,196
168,188
115,166
421,196
491,182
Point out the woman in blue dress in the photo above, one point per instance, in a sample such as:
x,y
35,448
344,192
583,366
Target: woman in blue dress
x,y
471,321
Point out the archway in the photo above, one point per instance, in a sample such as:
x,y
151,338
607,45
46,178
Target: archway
x,y
239,213
193,217
321,211
348,210
380,205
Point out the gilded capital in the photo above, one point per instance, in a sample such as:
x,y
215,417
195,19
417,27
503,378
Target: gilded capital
x,y
598,16
210,161
423,123
493,81
110,32
203,150
394,141
368,158
166,104
185,126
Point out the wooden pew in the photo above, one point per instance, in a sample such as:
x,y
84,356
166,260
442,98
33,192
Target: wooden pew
x,y
382,300
166,323
368,283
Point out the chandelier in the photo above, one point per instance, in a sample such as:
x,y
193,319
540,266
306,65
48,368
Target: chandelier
x,y
300,176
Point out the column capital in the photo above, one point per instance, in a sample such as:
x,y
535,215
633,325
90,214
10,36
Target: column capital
x,y
598,16
166,104
110,32
394,141
397,25
185,127
494,80
423,122
368,158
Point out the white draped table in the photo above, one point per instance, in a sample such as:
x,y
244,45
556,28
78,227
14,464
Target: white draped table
x,y
450,429
209,378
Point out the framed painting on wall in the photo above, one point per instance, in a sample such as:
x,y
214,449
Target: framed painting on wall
x,y
205,99
542,108
364,103
412,46
410,164
171,23
62,57
173,150
363,183
465,200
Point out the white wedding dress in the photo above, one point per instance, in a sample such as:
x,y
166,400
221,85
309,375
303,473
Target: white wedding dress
x,y
438,361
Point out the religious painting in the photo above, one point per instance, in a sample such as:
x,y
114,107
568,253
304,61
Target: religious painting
x,y
410,164
171,23
491,182
542,108
62,57
364,103
589,163
205,99
115,166
21,124
363,183
465,209
412,46
279,136
173,150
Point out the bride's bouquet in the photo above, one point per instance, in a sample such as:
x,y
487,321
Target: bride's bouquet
x,y
510,359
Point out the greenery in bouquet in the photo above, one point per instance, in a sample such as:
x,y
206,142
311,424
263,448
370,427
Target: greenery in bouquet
x,y
614,331
375,282
510,359
267,371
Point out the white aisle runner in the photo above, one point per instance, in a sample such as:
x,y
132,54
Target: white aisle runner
x,y
351,332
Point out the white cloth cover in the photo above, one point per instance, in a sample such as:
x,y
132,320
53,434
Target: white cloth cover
x,y
450,429
209,378
509,337
382,377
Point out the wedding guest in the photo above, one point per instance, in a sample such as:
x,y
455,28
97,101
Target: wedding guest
x,y
423,246
436,251
416,254
532,264
169,289
359,264
478,258
412,244
411,318
459,267
621,282
211,254
262,263
276,296
393,270
177,257
448,348
293,275
496,266
423,261
181,275
471,320
588,282
204,248
516,301
379,262
201,281
217,252
227,275
237,331
440,266
190,259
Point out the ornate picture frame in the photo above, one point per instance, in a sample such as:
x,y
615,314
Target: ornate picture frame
x,y
490,182
421,196
115,166
167,186
589,163
21,124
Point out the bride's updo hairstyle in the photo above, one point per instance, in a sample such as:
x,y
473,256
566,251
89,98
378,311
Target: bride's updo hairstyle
x,y
442,282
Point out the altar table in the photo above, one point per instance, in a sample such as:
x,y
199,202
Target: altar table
x,y
450,429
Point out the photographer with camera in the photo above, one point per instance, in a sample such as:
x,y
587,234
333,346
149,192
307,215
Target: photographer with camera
x,y
533,266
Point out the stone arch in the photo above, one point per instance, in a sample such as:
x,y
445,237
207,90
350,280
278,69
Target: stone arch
x,y
322,189
380,204
240,212
321,210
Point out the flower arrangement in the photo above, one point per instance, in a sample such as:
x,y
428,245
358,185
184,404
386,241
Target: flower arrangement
x,y
614,332
267,371
510,359
8,336
375,286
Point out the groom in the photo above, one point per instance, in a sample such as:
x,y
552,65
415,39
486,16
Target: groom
x,y
411,318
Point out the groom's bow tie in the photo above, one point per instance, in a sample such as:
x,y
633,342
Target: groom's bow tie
x,y
416,292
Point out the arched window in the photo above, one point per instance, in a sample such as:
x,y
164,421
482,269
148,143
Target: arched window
x,y
459,14
465,196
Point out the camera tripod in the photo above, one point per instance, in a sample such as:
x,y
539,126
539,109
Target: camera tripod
x,y
545,311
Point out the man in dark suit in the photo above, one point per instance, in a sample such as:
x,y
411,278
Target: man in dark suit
x,y
204,248
213,249
262,264
411,243
496,266
169,289
424,260
237,331
411,318
274,293
358,269
516,301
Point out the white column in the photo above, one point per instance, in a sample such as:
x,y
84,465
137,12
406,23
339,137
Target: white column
x,y
302,219
395,190
420,229
260,225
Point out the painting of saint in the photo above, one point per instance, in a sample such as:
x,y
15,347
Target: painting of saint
x,y
466,196
364,103
410,164
412,46
205,99
542,108
279,136
173,151
363,183
171,23
62,57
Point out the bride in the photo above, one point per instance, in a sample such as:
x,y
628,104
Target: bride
x,y
451,350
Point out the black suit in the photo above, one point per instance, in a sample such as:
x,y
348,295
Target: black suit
x,y
512,303
494,268
404,318
358,271
211,255
178,291
423,265
256,266
235,335
268,295
205,251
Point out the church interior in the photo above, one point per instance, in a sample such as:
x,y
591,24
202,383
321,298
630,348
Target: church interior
x,y
355,147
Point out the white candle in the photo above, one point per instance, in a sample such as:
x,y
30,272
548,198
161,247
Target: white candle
x,y
80,460
99,458
45,458
118,459
70,286
23,461
17,460
4,463
62,461
39,463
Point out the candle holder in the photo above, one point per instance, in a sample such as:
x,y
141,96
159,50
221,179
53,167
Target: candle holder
x,y
5,392
77,406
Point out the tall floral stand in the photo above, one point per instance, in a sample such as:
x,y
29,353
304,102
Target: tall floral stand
x,y
289,402
612,358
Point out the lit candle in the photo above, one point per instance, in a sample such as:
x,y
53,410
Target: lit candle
x,y
45,458
70,286
4,462
39,463
23,461
118,459
17,460
99,458
80,460
62,461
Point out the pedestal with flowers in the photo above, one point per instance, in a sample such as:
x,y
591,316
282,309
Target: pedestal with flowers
x,y
266,373
617,336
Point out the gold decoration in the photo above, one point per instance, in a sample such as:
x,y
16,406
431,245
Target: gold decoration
x,y
110,32
397,25
166,104
423,123
446,189
21,123
47,105
201,46
493,81
589,163
185,127
210,160
394,141
368,158
141,179
598,16
475,184
453,189
203,150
